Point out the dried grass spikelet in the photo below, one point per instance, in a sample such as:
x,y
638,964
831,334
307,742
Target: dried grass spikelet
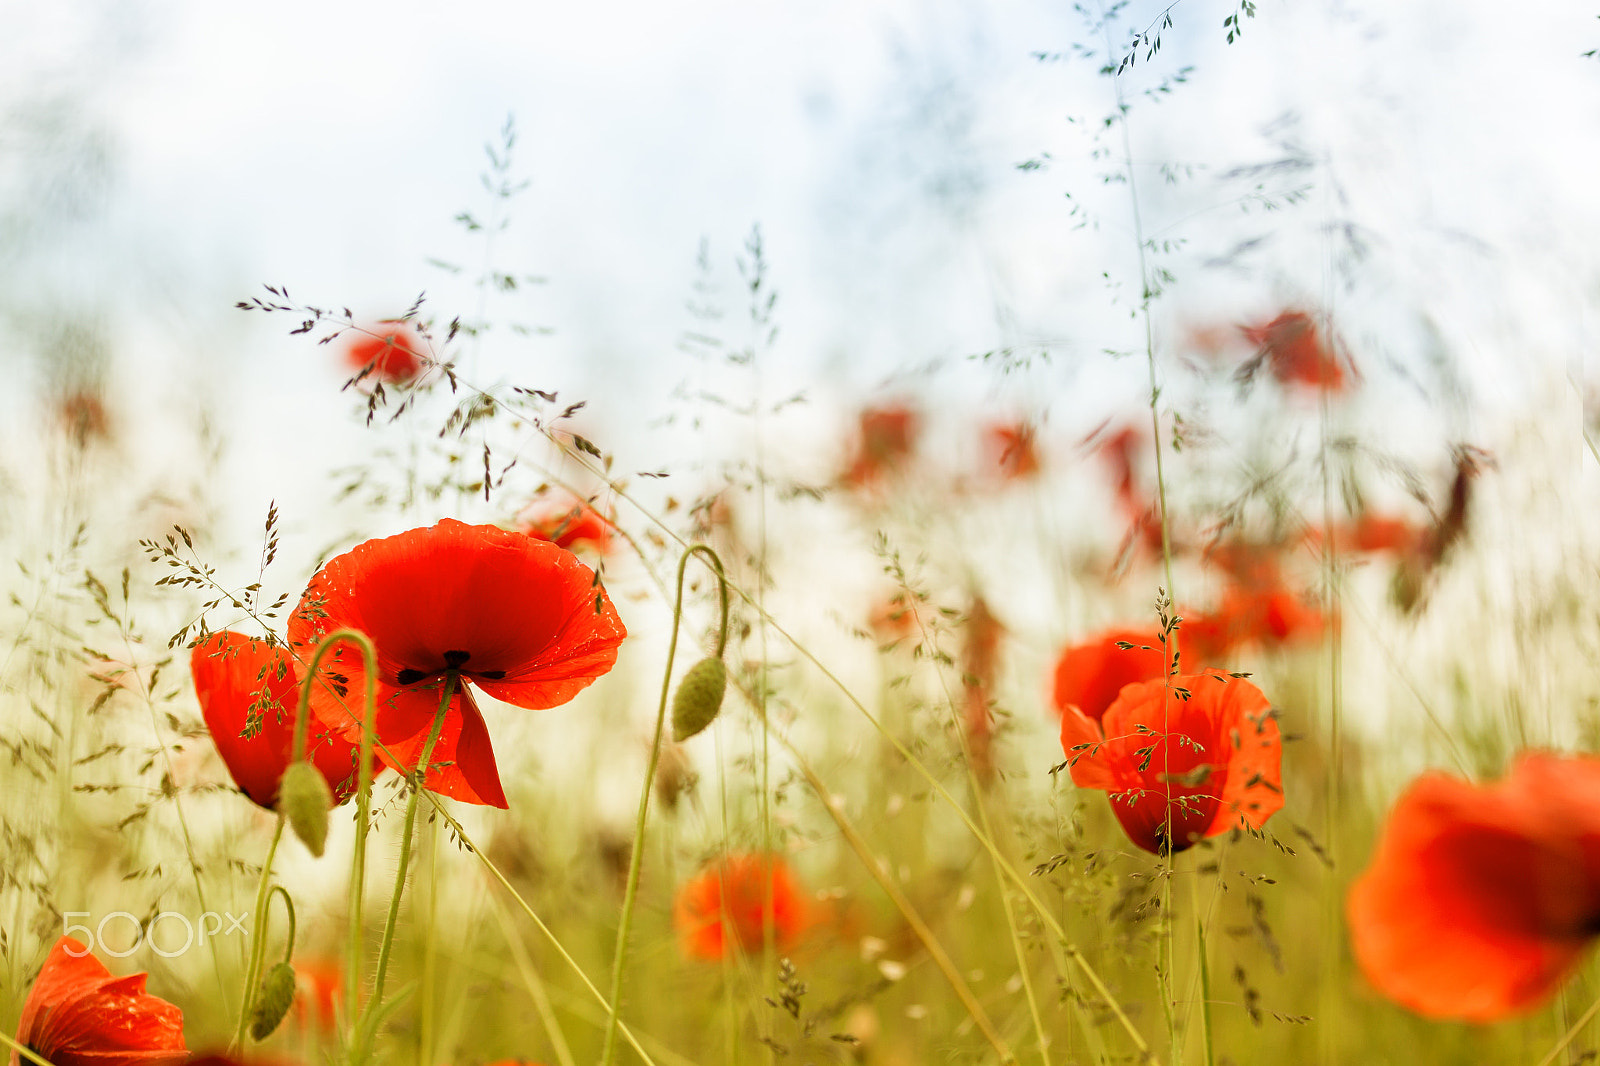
x,y
699,698
274,999
305,799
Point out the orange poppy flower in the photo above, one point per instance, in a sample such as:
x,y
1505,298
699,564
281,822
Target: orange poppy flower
x,y
78,1014
1295,352
1011,449
1090,676
1181,761
730,899
1269,615
392,350
521,619
238,678
319,986
567,522
887,437
1481,899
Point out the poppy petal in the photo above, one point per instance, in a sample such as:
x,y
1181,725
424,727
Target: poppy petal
x,y
1480,900
78,1014
462,764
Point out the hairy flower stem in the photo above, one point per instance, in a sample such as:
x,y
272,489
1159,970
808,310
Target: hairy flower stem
x,y
358,861
619,960
252,970
418,775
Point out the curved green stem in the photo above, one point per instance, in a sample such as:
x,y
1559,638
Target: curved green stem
x,y
288,906
619,961
358,861
252,968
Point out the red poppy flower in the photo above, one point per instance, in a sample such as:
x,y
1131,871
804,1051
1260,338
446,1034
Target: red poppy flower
x,y
1090,676
980,660
393,351
731,898
1481,899
78,1014
521,619
1272,616
1011,449
1295,352
319,985
238,678
887,437
1180,761
567,522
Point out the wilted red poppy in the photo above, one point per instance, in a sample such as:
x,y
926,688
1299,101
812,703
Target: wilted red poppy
x,y
241,680
1296,353
732,898
1481,899
1181,760
393,351
78,1014
1012,450
887,437
567,522
520,618
1090,676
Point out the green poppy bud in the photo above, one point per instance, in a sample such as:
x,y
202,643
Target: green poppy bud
x,y
305,799
272,1001
699,698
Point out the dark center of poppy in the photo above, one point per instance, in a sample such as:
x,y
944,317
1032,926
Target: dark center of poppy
x,y
453,660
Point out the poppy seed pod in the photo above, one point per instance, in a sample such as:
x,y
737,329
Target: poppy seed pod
x,y
305,799
272,1001
699,698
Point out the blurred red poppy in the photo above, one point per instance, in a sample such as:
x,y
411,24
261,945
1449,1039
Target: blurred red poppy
x,y
243,683
78,1014
567,522
392,350
1181,760
520,618
1481,899
319,985
1011,449
1270,615
980,660
732,899
887,436
1296,353
1090,676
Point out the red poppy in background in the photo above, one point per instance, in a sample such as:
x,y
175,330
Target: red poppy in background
x,y
318,988
1481,899
78,1014
1296,353
393,351
1181,761
1090,676
236,675
567,522
520,618
1271,616
980,661
1012,449
887,436
732,898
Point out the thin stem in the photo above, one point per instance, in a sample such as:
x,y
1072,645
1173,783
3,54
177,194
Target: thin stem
x,y
419,775
358,861
288,905
566,956
934,784
619,961
1572,1034
536,989
252,969
25,1051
